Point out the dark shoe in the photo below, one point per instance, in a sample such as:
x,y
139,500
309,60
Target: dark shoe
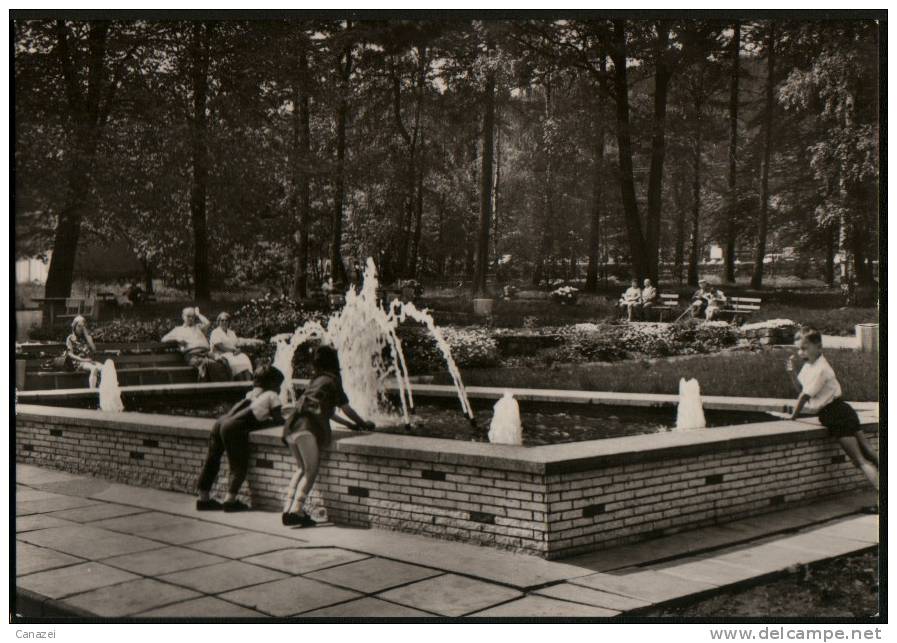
x,y
208,505
235,505
292,519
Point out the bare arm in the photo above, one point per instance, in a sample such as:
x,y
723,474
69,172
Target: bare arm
x,y
798,407
357,419
204,323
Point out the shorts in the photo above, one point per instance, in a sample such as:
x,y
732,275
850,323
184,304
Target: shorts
x,y
306,423
839,418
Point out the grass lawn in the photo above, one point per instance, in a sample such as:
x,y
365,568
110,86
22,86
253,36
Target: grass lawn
x,y
738,373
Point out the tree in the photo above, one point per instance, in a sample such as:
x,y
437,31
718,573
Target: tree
x,y
486,185
763,221
732,185
301,169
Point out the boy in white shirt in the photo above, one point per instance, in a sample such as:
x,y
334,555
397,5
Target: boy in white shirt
x,y
820,393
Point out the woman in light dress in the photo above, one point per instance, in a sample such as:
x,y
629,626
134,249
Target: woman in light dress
x,y
226,346
80,351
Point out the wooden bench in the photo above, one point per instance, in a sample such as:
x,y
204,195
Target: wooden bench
x,y
738,309
666,305
46,380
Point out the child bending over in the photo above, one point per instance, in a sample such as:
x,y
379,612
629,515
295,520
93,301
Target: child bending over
x,y
820,393
259,409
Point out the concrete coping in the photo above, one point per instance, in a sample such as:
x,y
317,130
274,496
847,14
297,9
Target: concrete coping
x,y
548,459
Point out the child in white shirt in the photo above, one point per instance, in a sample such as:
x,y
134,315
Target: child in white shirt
x,y
820,393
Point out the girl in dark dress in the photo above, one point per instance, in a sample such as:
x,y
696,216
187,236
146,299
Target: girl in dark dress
x,y
307,431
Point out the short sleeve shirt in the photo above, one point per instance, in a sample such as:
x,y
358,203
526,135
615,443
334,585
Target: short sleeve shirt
x,y
324,393
227,339
263,403
78,347
189,337
649,294
819,382
632,294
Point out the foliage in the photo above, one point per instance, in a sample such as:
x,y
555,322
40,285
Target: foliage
x,y
271,315
565,295
470,347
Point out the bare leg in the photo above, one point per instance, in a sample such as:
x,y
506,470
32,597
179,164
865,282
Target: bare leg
x,y
304,447
851,447
867,449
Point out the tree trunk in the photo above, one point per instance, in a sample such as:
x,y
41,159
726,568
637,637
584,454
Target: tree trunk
x,y
337,269
695,256
831,242
547,218
199,144
762,225
84,111
598,178
637,250
732,192
486,179
658,149
679,251
301,171
418,221
496,193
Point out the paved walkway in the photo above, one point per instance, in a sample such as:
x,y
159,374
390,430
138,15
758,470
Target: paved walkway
x,y
89,547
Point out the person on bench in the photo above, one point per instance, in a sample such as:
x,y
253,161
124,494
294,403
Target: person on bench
x,y
225,345
80,351
707,301
191,339
632,300
650,297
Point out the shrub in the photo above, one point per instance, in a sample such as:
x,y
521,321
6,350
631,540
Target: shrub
x,y
565,295
470,347
271,315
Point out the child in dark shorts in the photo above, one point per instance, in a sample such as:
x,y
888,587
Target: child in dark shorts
x,y
307,431
230,434
820,392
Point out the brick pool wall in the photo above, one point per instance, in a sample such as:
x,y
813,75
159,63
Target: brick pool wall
x,y
548,501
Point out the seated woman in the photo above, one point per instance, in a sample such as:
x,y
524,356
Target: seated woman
x,y
225,346
715,303
650,296
191,339
631,300
80,351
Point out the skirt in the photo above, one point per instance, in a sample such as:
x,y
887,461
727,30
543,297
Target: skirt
x,y
839,418
307,421
237,363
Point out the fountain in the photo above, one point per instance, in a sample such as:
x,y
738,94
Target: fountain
x,y
110,393
690,412
506,427
370,351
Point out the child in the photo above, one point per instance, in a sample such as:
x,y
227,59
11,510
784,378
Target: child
x,y
820,393
307,431
260,408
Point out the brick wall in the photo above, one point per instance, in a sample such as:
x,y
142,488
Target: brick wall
x,y
547,501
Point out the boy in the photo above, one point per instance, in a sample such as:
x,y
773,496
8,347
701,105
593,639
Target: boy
x,y
820,392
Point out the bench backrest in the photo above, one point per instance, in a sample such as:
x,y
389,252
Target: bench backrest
x,y
669,298
744,303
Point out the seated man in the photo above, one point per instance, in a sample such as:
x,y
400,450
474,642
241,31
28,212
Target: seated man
x,y
707,301
194,346
715,303
631,300
650,296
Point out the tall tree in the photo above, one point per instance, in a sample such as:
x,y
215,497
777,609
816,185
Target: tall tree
x,y
662,74
88,105
301,170
598,178
769,106
732,185
199,56
486,185
344,74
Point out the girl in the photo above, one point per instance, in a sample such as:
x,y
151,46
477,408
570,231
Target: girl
x,y
259,409
307,430
820,393
80,351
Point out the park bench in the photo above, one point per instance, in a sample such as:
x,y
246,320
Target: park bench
x,y
738,309
666,306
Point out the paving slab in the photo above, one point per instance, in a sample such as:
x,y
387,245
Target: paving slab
x,y
648,585
139,523
713,571
130,598
29,474
244,544
367,607
75,579
451,595
188,532
166,560
88,542
34,522
205,607
594,597
83,487
541,607
301,561
54,503
290,596
860,528
762,559
223,577
373,575
29,493
30,559
97,512
810,547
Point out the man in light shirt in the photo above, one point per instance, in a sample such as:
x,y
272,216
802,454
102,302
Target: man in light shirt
x,y
820,393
